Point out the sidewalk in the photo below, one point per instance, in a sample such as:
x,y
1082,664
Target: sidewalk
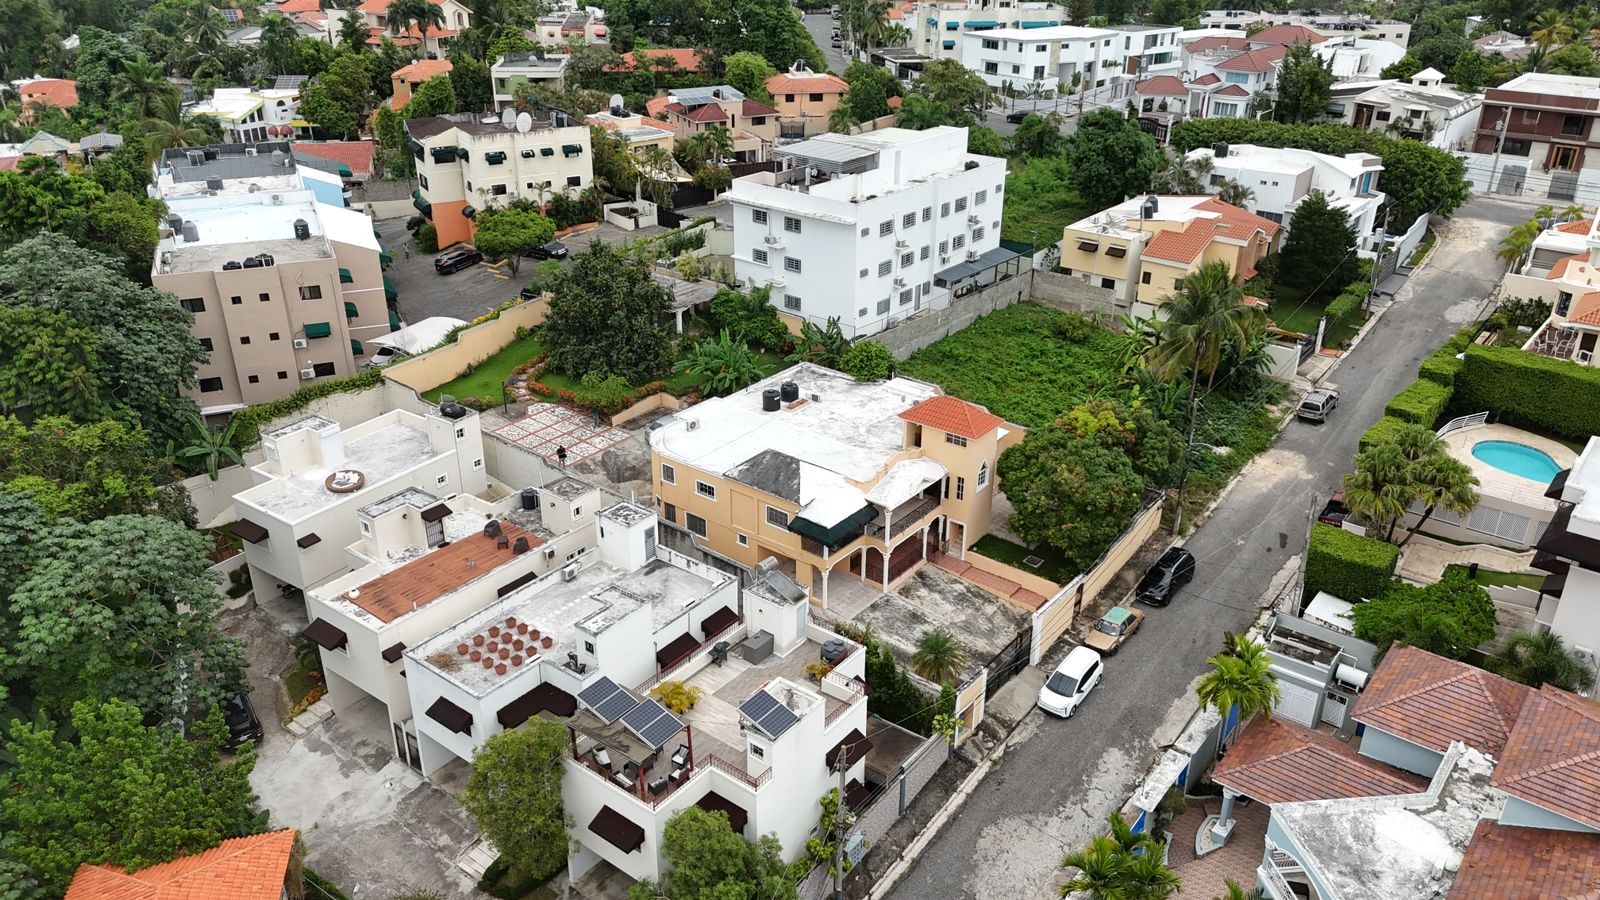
x,y
1424,559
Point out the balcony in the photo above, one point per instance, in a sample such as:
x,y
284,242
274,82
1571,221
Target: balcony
x,y
904,517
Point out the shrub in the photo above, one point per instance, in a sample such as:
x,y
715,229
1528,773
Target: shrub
x,y
1347,565
1423,402
1527,389
1074,327
252,418
1346,307
867,361
1381,431
1440,368
427,239
1528,312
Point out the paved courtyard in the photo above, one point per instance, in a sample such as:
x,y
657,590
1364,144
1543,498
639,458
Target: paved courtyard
x,y
1205,876
548,427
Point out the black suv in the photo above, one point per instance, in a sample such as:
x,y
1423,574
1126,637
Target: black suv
x,y
1173,570
552,250
456,260
242,722
1016,116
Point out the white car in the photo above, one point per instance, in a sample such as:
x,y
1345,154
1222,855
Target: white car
x,y
1071,682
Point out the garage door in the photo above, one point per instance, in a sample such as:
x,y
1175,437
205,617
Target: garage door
x,y
1297,704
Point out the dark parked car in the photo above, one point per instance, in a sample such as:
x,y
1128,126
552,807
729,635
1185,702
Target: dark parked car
x,y
456,260
242,722
1173,570
1016,116
552,250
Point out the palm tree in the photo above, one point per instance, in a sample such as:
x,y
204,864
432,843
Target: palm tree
x,y
167,128
1517,243
1237,892
1574,212
1380,488
204,27
211,445
1121,865
1539,659
403,14
1235,194
842,119
144,84
938,657
278,36
1442,480
1550,29
726,364
823,346
1241,678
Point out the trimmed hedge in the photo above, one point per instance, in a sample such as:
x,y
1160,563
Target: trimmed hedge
x,y
1381,430
1347,306
1441,368
252,418
1527,389
1347,565
1423,402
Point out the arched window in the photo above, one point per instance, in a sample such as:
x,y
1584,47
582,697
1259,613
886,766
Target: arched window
x,y
983,474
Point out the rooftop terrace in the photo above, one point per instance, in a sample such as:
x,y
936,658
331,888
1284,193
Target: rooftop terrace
x,y
389,450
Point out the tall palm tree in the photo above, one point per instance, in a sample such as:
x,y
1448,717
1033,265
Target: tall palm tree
x,y
1379,488
842,119
938,657
726,364
1574,212
1540,659
1241,677
1442,480
278,35
1517,243
1550,29
1234,193
403,14
144,84
167,128
204,27
1121,865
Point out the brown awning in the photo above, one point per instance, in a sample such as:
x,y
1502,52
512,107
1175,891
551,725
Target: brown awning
x,y
392,652
451,716
1554,583
1557,484
1088,246
856,795
1112,250
435,512
854,746
326,635
250,531
617,830
715,802
544,698
718,622
681,646
1558,541
310,540
1549,562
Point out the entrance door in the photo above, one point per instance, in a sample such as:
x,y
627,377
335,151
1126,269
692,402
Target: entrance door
x,y
1363,118
1334,709
1297,703
1563,158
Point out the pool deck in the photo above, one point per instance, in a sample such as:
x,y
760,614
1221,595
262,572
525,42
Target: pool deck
x,y
1494,482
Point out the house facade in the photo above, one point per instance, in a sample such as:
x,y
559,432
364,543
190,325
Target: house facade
x,y
1325,24
804,100
1048,57
1537,136
405,80
1563,269
457,18
1280,178
937,28
1421,108
513,70
1570,551
752,126
248,115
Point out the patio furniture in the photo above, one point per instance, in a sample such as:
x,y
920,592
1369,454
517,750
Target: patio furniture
x,y
657,786
719,652
632,771
622,779
675,775
602,757
680,756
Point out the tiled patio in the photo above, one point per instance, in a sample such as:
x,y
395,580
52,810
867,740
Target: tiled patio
x,y
1203,877
994,584
548,426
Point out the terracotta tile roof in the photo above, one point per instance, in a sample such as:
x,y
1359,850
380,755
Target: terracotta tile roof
x,y
1279,762
296,6
1240,222
427,578
57,92
708,112
656,105
1162,86
815,83
1553,757
752,108
687,58
1531,863
1219,42
379,7
1233,90
1432,701
247,868
355,154
1287,34
9,163
1205,80
1586,311
411,37
1254,61
1559,270
958,417
1580,226
1184,246
422,70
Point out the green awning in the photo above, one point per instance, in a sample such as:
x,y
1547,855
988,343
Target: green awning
x,y
345,277
462,154
390,292
394,320
356,348
444,154
318,329
344,171
571,149
386,258
547,151
834,535
350,311
423,207
494,157
416,193
468,211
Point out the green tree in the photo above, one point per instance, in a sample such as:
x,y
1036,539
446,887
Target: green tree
x,y
211,445
1070,491
1110,157
338,100
470,80
1038,136
710,861
434,97
1574,59
1450,618
510,40
1121,865
938,656
204,26
1412,465
1471,72
726,364
1240,677
405,15
825,346
870,88
142,85
608,316
120,793
28,34
278,37
748,72
867,361
1549,28
1305,85
750,318
948,83
1540,659
168,129
50,365
512,233
985,141
353,33
84,470
1319,254
1378,488
514,793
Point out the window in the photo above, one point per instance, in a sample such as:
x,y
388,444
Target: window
x,y
961,488
791,302
670,513
757,752
254,379
744,541
791,223
1515,147
193,304
905,297
908,220
990,45
925,251
1108,283
758,216
866,231
443,479
477,463
210,385
577,511
961,204
956,439
886,227
460,433
883,306
759,256
999,189
669,475
1237,78
957,242
282,375
311,292
983,474
791,264
861,313
927,288
205,344
944,248
423,179
884,267
980,198
865,272
274,336
588,647
1573,125
1144,278
944,210
907,259
323,370
244,341
236,300
697,525
927,213
264,297
1563,303
777,517
705,490
498,190
977,234
574,181
990,68
788,98
1271,216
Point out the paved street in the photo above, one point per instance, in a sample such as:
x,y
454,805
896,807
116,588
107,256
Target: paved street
x,y
1054,789
821,26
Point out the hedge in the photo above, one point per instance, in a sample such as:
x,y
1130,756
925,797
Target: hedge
x,y
252,418
1347,306
1527,389
1440,368
1423,402
1347,565
1380,431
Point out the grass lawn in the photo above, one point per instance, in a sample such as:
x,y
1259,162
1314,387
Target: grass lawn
x,y
1055,566
486,379
1491,578
1422,248
1039,202
299,682
1291,312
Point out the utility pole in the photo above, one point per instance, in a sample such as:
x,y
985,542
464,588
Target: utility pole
x,y
1499,144
839,815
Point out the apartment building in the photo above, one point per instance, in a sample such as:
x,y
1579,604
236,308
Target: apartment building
x,y
404,81
457,18
1421,108
557,28
513,70
1324,24
472,161
804,100
1563,269
937,27
833,478
1150,49
639,132
871,228
690,111
1142,248
1280,178
1537,135
1570,551
1049,57
249,116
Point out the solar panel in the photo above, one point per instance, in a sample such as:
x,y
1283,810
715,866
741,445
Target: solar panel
x,y
653,723
607,700
602,688
289,82
778,720
759,704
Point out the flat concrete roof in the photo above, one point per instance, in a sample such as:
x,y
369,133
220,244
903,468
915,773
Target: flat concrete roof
x,y
379,455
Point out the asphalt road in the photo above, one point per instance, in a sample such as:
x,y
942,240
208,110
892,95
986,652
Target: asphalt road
x,y
821,26
1054,789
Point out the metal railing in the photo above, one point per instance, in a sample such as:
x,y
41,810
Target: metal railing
x,y
1461,422
1277,885
713,761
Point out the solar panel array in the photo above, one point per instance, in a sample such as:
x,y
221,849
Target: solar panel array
x,y
653,723
766,713
606,699
289,82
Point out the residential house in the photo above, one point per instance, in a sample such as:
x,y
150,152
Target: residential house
x,y
1563,269
1420,108
1320,669
662,60
243,868
513,70
556,29
1537,135
467,161
752,126
1049,57
871,228
837,480
404,81
638,131
1142,248
1512,47
1350,57
1149,50
1280,178
249,116
352,160
457,18
804,100
57,93
1332,24
937,27
1570,551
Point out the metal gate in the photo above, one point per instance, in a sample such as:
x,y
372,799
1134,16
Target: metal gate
x,y
1009,661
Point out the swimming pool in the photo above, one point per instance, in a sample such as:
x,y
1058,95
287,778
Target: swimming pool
x,y
1518,459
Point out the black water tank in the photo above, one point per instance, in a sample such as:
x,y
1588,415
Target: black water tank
x,y
530,498
302,231
789,391
770,401
452,410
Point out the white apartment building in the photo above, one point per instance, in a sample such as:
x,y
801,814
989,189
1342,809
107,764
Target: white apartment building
x,y
525,67
248,115
870,228
303,511
557,28
1150,50
1570,551
1049,56
937,28
1352,57
1421,108
1281,177
1325,24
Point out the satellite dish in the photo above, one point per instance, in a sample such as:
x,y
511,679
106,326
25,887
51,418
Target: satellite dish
x,y
524,123
615,102
508,116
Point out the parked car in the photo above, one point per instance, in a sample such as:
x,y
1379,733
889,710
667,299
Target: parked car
x,y
837,43
1117,625
1173,570
552,250
1335,511
456,260
1016,116
1316,405
242,722
1064,691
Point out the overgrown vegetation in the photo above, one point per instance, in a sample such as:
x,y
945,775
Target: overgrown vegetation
x,y
1529,390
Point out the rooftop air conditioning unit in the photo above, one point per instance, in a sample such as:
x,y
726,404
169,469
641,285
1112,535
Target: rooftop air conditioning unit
x,y
249,151
549,553
973,219
902,245
307,374
692,424
972,256
300,343
569,572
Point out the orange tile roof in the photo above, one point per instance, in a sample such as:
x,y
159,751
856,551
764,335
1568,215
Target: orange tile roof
x,y
1534,863
1205,80
1579,226
429,577
1586,311
1279,762
379,7
1233,90
1182,246
687,58
297,6
1162,86
1432,701
1286,34
1559,270
958,417
247,868
753,108
422,70
1239,221
1218,42
815,83
355,154
57,92
1253,61
656,105
1552,759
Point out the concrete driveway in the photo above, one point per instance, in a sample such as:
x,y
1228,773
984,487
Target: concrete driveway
x,y
1054,788
466,294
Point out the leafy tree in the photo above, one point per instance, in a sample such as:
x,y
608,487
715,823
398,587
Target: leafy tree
x,y
1573,59
142,85
1240,677
121,793
51,365
1540,659
748,72
84,471
514,793
1319,254
510,40
278,37
938,656
870,88
168,128
28,35
867,361
1305,85
985,141
1173,12
1378,488
339,98
1070,491
948,83
1550,29
1471,72
1449,618
726,364
1038,136
434,97
404,15
750,318
470,80
1121,865
511,233
211,445
1411,465
608,316
1110,158
768,28
710,861
825,346
353,33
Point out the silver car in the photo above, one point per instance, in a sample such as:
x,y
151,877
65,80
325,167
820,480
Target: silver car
x,y
1317,404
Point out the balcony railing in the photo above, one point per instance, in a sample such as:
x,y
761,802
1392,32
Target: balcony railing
x,y
713,761
902,519
639,792
1277,886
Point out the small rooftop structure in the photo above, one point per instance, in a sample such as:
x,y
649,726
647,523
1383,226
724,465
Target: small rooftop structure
x,y
245,868
388,448
437,574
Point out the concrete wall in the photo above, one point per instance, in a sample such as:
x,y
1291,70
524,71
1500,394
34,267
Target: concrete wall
x,y
1521,812
1032,582
1285,361
1402,754
929,326
474,345
1054,618
1073,294
648,405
